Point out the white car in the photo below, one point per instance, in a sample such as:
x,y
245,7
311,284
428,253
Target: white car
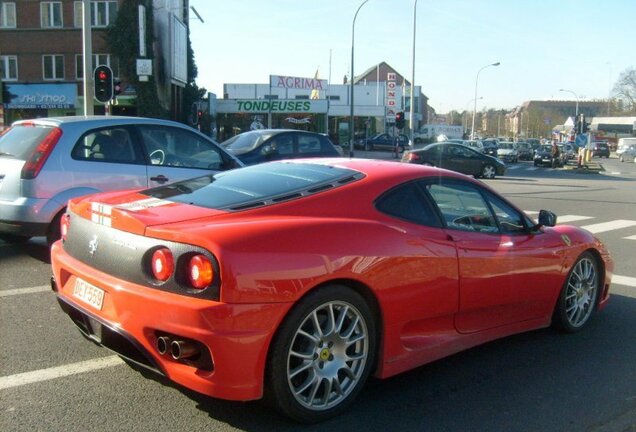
x,y
507,151
628,154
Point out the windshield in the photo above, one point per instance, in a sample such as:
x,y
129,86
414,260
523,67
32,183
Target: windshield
x,y
507,146
20,141
255,185
245,142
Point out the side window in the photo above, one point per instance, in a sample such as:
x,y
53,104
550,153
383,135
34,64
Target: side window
x,y
281,144
510,220
308,144
107,145
168,146
463,207
409,203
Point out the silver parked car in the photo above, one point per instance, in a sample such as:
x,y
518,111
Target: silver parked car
x,y
45,162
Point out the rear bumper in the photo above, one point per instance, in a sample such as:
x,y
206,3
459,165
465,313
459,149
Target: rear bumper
x,y
234,338
25,216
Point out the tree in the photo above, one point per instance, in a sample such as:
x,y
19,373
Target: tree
x,y
625,89
124,47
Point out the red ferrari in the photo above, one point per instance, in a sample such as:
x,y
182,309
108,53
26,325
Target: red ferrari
x,y
295,280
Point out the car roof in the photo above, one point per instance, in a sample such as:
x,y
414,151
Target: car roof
x,y
98,120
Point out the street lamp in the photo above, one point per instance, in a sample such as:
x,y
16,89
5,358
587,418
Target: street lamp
x,y
466,109
472,129
576,115
412,111
353,28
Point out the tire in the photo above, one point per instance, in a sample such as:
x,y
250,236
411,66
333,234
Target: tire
x,y
13,238
54,232
321,355
488,171
578,296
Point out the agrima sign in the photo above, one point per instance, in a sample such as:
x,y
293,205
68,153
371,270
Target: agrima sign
x,y
297,82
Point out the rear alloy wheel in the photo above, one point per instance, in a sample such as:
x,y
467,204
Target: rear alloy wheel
x,y
322,355
488,171
578,296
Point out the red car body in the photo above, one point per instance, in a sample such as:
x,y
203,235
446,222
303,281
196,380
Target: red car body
x,y
431,290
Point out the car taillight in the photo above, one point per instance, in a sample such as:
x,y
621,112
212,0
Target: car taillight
x,y
413,157
65,223
34,163
200,272
162,264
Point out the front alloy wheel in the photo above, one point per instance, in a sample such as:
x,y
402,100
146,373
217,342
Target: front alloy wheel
x,y
322,355
578,297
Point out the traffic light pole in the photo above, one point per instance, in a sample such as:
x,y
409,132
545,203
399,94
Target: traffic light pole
x,y
87,53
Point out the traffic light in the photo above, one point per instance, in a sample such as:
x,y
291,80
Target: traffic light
x,y
103,80
586,126
194,112
399,120
117,88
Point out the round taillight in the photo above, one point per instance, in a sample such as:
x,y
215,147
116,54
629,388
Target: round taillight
x,y
65,223
200,271
162,264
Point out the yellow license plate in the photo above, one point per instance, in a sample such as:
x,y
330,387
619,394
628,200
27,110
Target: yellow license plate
x,y
88,293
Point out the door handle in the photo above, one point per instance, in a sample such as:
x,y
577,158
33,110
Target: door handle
x,y
160,178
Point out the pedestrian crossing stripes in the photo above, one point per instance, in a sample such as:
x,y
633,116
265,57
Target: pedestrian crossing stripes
x,y
609,226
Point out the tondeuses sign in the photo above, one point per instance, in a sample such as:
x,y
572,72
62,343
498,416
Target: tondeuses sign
x,y
252,106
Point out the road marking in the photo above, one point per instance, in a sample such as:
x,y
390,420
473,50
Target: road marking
x,y
609,226
19,291
630,237
58,372
572,218
624,280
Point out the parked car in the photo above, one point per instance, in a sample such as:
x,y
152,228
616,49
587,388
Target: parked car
x,y
387,142
525,151
475,145
264,145
568,150
543,156
628,154
601,149
507,151
258,281
47,161
456,157
490,146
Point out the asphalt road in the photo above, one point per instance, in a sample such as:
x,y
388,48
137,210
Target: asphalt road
x,y
51,379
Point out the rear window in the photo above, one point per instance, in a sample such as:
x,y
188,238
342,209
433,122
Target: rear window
x,y
19,141
256,186
245,142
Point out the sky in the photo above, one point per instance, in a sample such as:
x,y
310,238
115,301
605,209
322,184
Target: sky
x,y
543,45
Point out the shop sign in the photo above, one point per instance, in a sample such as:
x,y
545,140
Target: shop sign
x,y
40,96
297,82
274,106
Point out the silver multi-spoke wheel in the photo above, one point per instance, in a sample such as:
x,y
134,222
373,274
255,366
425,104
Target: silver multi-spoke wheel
x,y
581,292
488,171
578,297
322,354
328,355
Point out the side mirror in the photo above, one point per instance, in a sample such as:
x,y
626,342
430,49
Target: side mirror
x,y
546,218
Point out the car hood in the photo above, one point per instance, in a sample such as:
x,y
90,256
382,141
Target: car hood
x,y
135,212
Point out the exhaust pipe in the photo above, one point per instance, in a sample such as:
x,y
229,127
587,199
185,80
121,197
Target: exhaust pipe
x,y
163,344
183,349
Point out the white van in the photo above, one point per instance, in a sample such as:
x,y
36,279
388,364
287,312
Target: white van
x,y
623,143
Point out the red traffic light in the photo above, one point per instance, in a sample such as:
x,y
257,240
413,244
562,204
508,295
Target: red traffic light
x,y
102,75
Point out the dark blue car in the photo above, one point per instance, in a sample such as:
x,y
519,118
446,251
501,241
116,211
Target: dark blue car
x,y
264,145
